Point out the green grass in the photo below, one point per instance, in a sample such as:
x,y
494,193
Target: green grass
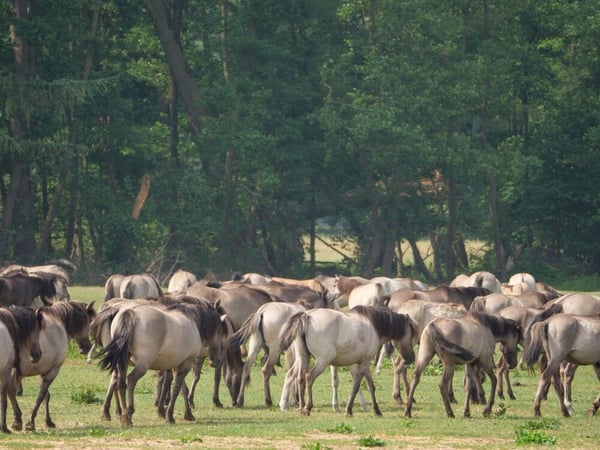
x,y
79,425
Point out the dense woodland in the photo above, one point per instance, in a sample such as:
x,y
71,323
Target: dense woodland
x,y
214,134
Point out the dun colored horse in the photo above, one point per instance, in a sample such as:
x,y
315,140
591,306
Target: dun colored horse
x,y
342,339
19,337
466,340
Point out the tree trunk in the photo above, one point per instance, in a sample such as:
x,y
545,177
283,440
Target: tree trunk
x,y
178,65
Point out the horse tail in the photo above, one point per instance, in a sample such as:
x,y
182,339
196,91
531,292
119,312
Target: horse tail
x,y
103,317
294,327
449,347
478,304
534,343
115,355
250,326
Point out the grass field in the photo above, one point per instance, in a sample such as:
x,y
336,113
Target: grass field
x,y
79,388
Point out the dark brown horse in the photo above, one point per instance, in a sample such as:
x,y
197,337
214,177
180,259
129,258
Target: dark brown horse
x,y
21,289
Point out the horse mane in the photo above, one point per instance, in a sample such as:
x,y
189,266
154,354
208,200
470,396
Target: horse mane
x,y
213,284
474,291
21,322
74,315
387,323
499,326
204,315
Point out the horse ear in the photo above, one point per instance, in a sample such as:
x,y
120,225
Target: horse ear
x,y
40,318
218,303
90,308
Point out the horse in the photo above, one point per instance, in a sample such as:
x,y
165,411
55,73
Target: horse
x,y
19,333
140,285
342,286
60,267
391,285
180,281
494,303
161,339
519,283
563,337
112,287
481,279
466,340
287,292
62,321
421,313
21,289
342,339
579,303
443,294
368,294
261,330
525,317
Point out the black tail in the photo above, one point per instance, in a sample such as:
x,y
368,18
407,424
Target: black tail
x,y
115,355
450,347
295,326
534,344
248,328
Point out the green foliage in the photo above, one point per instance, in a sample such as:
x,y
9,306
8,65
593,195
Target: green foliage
x,y
342,428
371,441
530,432
316,446
85,395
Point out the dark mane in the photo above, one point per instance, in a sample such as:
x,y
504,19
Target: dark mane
x,y
21,322
204,315
499,326
74,315
387,323
474,291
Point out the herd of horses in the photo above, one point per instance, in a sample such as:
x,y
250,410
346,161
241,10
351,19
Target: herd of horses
x,y
341,321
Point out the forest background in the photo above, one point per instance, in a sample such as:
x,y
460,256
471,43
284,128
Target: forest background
x,y
224,135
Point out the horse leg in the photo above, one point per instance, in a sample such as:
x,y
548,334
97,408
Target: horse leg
x,y
216,383
357,376
127,397
596,403
3,406
181,373
335,381
444,383
165,379
310,378
268,370
500,375
426,352
386,350
43,392
196,372
399,368
568,374
560,393
468,381
488,368
542,389
10,392
186,401
49,422
509,390
369,378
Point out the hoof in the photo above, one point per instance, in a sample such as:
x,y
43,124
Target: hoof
x,y
17,426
